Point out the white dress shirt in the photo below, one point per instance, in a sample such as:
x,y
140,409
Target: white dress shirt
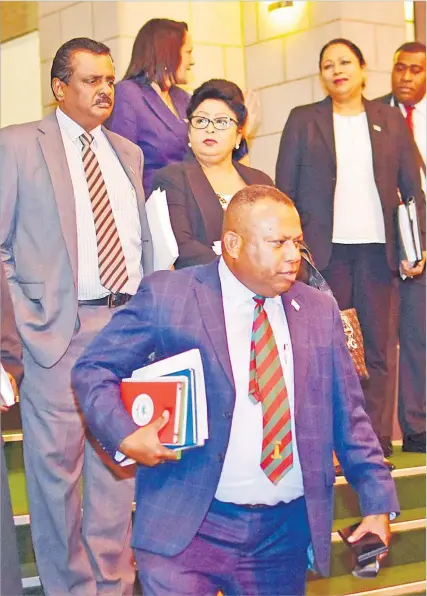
x,y
419,124
242,479
123,203
358,215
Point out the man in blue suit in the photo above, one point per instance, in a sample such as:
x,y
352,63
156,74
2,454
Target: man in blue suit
x,y
217,519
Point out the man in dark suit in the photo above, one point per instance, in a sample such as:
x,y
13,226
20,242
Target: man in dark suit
x,y
11,359
75,243
244,512
408,94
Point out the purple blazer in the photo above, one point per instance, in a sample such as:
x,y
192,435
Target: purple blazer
x,y
142,117
174,311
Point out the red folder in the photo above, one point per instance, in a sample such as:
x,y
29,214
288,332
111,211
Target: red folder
x,y
147,400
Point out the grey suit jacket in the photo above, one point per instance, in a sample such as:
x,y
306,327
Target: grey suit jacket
x,y
306,170
38,233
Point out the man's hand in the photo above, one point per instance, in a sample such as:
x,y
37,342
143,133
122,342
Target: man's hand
x,y
375,524
144,446
413,271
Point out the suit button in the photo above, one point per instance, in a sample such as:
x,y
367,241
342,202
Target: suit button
x,y
227,415
220,457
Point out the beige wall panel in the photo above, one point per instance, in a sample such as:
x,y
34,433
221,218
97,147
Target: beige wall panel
x,y
265,64
282,21
216,22
235,66
50,35
377,84
76,21
133,15
46,92
17,19
105,20
278,101
47,7
249,17
302,50
263,153
363,35
317,87
209,64
324,12
121,50
387,40
390,13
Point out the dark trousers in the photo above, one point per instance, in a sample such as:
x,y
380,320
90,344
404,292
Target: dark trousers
x,y
360,277
238,550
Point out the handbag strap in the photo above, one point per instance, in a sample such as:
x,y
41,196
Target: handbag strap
x,y
315,278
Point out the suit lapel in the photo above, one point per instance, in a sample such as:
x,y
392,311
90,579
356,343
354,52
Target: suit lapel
x,y
299,331
52,147
325,123
204,195
377,126
209,298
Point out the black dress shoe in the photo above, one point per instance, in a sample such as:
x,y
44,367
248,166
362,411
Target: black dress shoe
x,y
389,465
386,446
414,443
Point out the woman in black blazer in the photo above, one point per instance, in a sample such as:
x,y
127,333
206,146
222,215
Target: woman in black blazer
x,y
199,189
344,161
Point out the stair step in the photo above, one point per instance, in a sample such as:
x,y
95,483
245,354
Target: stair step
x,y
391,581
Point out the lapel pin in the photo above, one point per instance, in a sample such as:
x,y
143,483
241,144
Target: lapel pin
x,y
376,127
295,304
131,169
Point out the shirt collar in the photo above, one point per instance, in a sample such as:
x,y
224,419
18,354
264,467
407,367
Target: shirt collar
x,y
419,107
74,130
233,289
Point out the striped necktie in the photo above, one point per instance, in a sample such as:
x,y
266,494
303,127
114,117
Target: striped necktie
x,y
111,259
267,385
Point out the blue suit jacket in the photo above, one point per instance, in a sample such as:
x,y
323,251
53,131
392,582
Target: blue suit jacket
x,y
175,311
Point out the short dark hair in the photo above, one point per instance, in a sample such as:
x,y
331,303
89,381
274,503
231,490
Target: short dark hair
x,y
249,195
156,52
346,42
412,47
61,65
222,90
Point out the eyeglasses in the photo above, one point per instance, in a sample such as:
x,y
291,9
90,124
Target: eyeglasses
x,y
223,123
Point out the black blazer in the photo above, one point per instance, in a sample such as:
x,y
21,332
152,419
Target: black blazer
x,y
306,170
195,211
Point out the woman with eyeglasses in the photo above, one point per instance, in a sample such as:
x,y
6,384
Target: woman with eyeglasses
x,y
199,189
149,107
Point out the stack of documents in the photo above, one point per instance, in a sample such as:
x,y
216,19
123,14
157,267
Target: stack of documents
x,y
408,231
7,394
165,247
175,384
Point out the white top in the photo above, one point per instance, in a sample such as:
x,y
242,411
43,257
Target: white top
x,y
419,122
242,479
358,216
123,203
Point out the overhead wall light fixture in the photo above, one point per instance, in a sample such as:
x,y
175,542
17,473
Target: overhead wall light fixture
x,y
275,5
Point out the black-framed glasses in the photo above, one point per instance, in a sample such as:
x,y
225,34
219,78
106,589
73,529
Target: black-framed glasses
x,y
222,123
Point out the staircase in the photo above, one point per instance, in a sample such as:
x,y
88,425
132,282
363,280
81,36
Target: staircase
x,y
403,572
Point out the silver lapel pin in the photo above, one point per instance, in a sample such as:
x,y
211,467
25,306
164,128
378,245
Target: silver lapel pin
x,y
376,127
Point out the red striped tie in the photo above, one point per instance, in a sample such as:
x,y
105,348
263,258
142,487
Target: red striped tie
x,y
267,385
111,259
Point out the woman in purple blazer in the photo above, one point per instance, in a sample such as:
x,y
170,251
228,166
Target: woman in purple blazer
x,y
150,110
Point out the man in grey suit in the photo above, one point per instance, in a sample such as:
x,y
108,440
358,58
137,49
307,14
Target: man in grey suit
x,y
75,244
239,513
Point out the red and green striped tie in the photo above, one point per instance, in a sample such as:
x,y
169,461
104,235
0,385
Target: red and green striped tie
x,y
267,385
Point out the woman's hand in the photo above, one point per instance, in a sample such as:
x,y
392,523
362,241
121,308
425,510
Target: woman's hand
x,y
413,271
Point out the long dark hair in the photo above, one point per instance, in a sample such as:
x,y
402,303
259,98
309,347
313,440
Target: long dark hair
x,y
156,52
